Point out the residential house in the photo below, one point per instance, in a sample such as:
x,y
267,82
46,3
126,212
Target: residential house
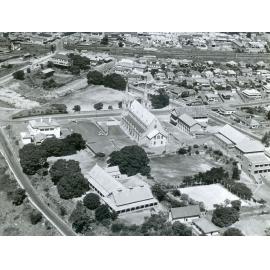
x,y
186,214
204,226
226,110
212,98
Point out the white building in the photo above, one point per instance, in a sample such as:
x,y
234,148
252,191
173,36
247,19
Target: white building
x,y
203,226
123,194
47,127
142,126
61,60
252,93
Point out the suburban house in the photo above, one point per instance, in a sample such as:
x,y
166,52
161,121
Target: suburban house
x,y
61,60
245,119
48,72
226,110
47,127
212,97
123,194
203,226
142,126
185,214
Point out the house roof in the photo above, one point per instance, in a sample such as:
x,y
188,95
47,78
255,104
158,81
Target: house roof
x,y
198,111
258,158
47,70
153,133
129,118
141,113
103,181
132,195
188,120
185,212
61,56
43,123
206,226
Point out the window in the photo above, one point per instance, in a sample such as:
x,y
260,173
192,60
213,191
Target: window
x,y
157,136
161,142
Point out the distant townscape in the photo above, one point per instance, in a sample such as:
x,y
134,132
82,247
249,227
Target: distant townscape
x,y
135,133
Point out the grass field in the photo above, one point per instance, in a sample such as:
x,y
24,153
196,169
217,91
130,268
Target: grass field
x,y
171,169
115,140
91,95
210,195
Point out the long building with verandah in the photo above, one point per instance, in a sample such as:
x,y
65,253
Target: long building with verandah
x,y
121,194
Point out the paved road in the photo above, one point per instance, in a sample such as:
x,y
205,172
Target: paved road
x,y
25,183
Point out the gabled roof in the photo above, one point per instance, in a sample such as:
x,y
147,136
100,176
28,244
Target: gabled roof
x,y
198,111
185,212
153,133
141,113
103,181
188,120
132,195
206,226
61,56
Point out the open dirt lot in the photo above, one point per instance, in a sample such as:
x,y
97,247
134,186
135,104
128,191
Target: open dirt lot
x,y
172,168
210,195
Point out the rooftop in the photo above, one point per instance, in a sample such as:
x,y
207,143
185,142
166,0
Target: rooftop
x,y
206,226
188,120
43,123
185,212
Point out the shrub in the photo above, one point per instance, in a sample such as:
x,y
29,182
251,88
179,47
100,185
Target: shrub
x,y
159,192
102,212
176,193
233,232
35,217
18,75
18,196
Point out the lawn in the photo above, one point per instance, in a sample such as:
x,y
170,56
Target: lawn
x,y
115,140
172,168
211,195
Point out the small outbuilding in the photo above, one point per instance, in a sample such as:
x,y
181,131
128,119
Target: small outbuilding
x,y
185,214
47,72
203,226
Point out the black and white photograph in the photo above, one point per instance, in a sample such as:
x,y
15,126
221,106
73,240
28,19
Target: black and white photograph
x,y
117,134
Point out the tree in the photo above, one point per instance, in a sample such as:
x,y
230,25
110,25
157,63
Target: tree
x,y
120,104
63,167
104,40
50,64
72,186
160,100
225,216
91,201
235,174
233,232
98,106
159,192
35,217
18,75
115,81
236,204
28,70
176,193
181,229
18,196
241,190
110,107
75,142
95,77
81,62
75,70
121,44
268,115
102,212
32,158
131,160
62,108
182,151
76,108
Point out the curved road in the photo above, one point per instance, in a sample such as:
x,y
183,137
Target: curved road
x,y
25,183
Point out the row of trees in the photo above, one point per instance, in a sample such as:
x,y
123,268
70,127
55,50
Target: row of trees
x,y
34,157
219,175
113,80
